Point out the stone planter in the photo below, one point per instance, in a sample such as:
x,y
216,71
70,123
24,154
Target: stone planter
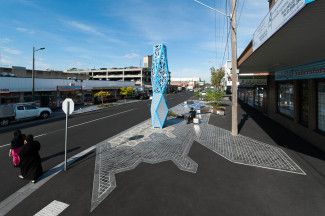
x,y
218,111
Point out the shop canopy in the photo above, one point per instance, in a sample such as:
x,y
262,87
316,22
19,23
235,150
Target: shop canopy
x,y
292,34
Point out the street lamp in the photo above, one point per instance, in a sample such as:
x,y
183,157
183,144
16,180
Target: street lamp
x,y
234,106
33,76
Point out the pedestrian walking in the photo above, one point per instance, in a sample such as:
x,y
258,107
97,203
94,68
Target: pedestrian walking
x,y
15,147
30,160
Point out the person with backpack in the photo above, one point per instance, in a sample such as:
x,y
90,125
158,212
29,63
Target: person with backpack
x,y
15,147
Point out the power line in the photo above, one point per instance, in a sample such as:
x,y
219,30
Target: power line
x,y
241,10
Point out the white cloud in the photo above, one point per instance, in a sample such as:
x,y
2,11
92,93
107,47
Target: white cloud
x,y
131,56
4,60
5,40
11,51
84,27
25,30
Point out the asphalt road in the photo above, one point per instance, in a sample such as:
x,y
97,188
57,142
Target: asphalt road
x,y
85,130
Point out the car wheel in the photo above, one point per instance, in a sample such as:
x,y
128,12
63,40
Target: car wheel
x,y
4,122
45,115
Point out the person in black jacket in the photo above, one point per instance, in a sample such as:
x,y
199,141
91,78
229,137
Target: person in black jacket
x,y
30,160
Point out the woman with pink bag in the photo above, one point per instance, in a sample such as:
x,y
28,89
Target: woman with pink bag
x,y
15,147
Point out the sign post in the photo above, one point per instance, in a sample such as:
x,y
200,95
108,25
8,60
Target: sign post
x,y
68,108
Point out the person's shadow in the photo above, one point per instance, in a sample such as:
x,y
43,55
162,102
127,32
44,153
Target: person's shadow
x,y
43,159
242,121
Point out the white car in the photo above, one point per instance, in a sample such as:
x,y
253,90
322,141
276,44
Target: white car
x,y
21,111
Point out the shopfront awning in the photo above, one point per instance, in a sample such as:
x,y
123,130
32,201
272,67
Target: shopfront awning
x,y
298,40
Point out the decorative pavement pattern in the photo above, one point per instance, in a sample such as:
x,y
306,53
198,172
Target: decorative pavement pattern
x,y
143,143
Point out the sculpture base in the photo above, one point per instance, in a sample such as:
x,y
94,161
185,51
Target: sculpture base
x,y
159,110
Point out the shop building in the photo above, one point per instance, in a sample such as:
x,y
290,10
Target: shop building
x,y
17,71
52,92
252,89
289,44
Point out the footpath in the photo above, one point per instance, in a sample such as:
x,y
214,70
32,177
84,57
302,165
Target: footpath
x,y
191,170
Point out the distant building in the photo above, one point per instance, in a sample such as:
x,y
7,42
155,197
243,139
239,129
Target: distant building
x,y
185,82
16,71
139,75
147,61
226,81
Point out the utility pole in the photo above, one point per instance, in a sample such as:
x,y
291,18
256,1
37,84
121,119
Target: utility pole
x,y
232,19
234,104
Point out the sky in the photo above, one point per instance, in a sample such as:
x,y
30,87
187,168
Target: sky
x,y
109,33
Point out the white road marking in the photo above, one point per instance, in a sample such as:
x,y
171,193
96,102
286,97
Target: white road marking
x,y
14,199
4,145
52,209
77,125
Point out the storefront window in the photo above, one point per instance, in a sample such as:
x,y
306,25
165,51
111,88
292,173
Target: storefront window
x,y
250,97
321,106
286,99
304,102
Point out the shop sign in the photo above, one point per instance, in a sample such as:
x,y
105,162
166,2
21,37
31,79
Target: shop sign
x,y
4,90
69,88
252,81
281,13
312,71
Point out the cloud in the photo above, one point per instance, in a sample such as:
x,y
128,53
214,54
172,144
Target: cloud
x,y
4,60
25,30
131,56
84,27
11,51
5,40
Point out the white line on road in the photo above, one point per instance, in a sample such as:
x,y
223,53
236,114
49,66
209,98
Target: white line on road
x,y
77,125
14,199
52,209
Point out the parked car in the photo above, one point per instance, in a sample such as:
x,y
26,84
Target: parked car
x,y
142,95
22,111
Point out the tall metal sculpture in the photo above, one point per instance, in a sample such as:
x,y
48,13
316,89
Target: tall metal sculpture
x,y
159,81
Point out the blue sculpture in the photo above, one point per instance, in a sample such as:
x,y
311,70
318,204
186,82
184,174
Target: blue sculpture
x,y
159,81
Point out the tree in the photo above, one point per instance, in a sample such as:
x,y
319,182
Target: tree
x,y
126,91
214,97
102,95
216,77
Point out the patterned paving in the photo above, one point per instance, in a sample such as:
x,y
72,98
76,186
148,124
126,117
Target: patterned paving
x,y
52,209
143,143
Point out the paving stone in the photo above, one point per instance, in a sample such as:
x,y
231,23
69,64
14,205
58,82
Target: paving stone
x,y
172,143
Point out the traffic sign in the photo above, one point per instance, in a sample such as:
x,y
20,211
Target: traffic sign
x,y
68,102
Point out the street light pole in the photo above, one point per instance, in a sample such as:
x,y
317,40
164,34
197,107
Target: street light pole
x,y
33,78
234,106
33,71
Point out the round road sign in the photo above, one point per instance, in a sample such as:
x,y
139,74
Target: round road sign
x,y
68,102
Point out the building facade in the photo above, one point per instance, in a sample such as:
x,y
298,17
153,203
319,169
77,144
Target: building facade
x,y
147,61
16,71
51,92
139,75
185,82
289,44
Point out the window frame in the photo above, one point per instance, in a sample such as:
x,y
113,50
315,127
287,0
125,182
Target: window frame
x,y
291,82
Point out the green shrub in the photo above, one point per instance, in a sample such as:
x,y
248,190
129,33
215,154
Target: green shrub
x,y
214,97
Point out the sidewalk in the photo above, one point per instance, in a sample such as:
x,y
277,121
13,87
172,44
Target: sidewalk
x,y
188,170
